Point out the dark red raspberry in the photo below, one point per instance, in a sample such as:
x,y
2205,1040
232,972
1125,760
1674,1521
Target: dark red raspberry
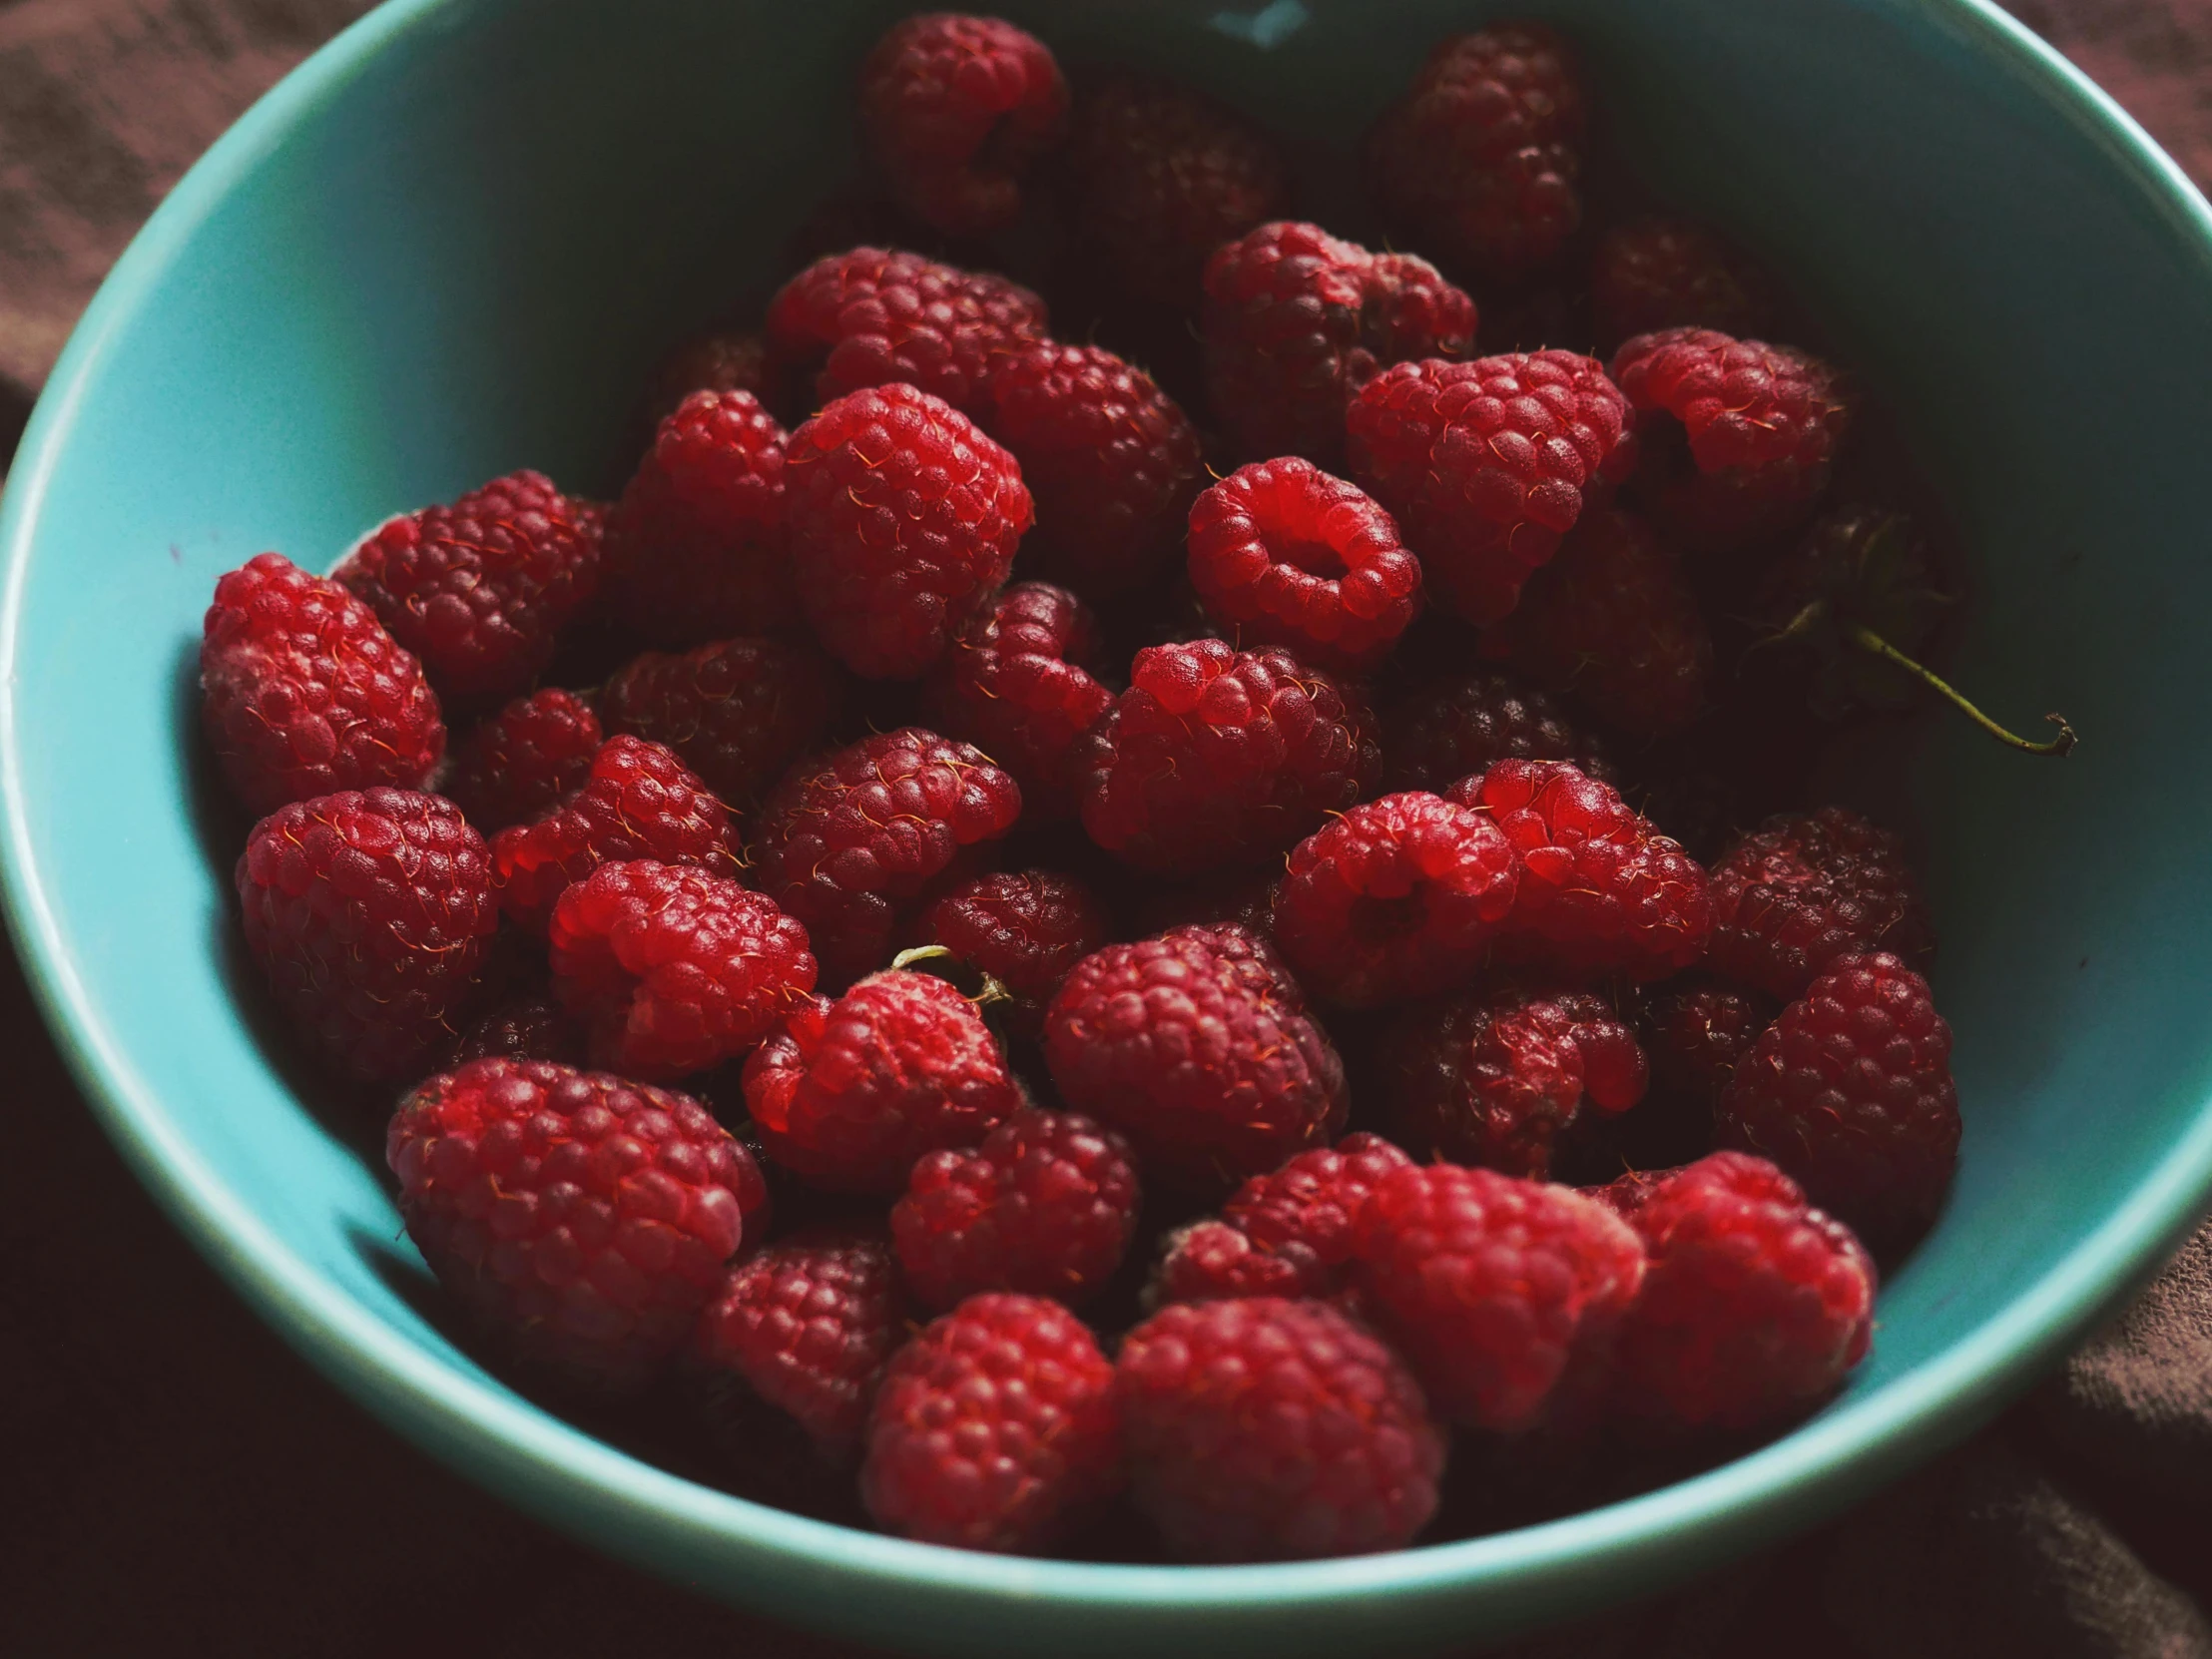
x,y
848,839
955,110
532,1026
1026,929
479,591
1462,724
518,764
1164,177
1493,1289
1394,898
1213,1261
1267,1429
904,523
1198,1046
1755,1304
1695,1035
1017,685
870,316
718,360
581,1219
1486,464
1851,1092
996,1429
305,694
1216,756
697,547
1297,320
1805,889
851,1093
369,913
1859,566
1653,274
1613,620
1245,896
737,712
1479,159
639,801
1283,554
1760,424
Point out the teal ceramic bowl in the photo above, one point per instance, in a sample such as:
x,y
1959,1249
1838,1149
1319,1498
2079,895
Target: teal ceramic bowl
x,y
450,243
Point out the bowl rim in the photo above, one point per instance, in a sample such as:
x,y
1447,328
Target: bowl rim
x,y
492,1436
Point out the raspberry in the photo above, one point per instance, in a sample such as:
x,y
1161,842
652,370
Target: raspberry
x,y
1696,1035
903,520
518,764
996,1429
583,1220
1045,1206
1164,177
847,840
869,316
639,801
851,1093
1215,757
369,913
1268,1429
1464,723
1613,620
1213,1261
1026,930
1851,1092
1493,1289
1859,566
1480,157
954,111
1653,274
1196,1045
1761,422
1298,320
1486,464
737,712
1394,898
713,361
696,547
1111,460
1624,1195
1283,554
1017,685
533,1026
1805,889
1601,890
305,694
479,591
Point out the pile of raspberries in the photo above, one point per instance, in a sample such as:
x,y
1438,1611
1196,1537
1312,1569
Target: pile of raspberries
x,y
1119,959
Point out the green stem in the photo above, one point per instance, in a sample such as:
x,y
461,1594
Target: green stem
x,y
1867,640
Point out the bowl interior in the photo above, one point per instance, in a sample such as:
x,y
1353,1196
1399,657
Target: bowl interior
x,y
451,248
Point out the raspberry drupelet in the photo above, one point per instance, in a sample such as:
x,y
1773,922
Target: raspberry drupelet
x,y
1654,274
1025,928
583,1220
1805,889
1282,553
304,693
737,712
516,764
1463,723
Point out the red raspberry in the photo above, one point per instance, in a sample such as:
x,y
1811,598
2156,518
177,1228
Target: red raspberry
x,y
1266,1429
1283,554
1481,156
533,1026
518,764
996,1429
1017,685
304,694
1486,464
1761,424
1111,460
581,1219
1696,1035
1214,757
955,110
903,521
1653,274
1805,889
639,801
1464,723
1298,320
1394,898
1613,620
1198,1046
1601,890
737,712
479,591
1026,930
713,361
851,1093
369,913
1624,1195
696,547
1851,1092
870,318
1492,1287
1213,1261
847,840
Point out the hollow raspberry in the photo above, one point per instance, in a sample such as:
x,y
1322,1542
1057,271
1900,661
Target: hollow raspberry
x,y
516,764
532,1026
1465,722
1696,1035
1026,929
718,360
1805,889
1654,274
737,712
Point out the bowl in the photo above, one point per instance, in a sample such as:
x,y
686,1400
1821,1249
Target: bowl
x,y
449,245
